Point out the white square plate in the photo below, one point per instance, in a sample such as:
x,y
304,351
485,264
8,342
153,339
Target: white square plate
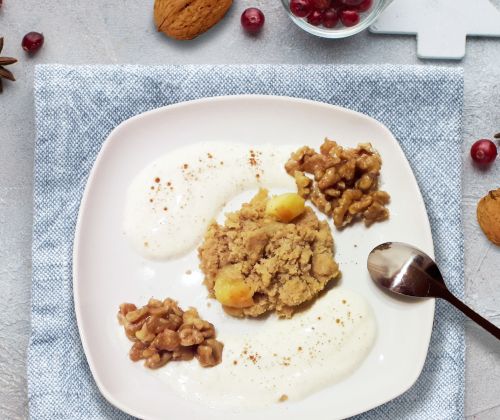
x,y
107,272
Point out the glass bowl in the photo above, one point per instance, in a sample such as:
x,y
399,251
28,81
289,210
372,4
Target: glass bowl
x,y
340,31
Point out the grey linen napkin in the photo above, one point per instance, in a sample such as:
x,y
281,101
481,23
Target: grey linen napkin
x,y
77,107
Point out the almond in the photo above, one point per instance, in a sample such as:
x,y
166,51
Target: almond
x,y
186,19
488,215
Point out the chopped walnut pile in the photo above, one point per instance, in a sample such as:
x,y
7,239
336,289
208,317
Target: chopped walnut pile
x,y
161,331
343,182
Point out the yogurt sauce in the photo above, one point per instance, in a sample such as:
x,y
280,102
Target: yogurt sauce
x,y
168,207
292,358
171,202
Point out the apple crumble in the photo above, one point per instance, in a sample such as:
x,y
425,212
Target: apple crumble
x,y
271,255
161,332
341,182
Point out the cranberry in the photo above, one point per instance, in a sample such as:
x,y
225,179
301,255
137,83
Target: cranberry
x,y
349,17
351,2
301,8
315,18
321,4
252,20
364,6
330,18
32,42
483,151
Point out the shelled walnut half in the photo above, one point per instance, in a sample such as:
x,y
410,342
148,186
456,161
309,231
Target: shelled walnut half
x,y
161,332
341,182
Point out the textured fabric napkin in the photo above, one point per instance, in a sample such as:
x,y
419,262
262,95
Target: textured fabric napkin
x,y
77,107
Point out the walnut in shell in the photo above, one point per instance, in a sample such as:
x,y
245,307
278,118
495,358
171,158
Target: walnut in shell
x,y
186,19
488,215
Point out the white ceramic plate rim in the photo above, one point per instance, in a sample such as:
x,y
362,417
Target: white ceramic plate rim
x,y
85,202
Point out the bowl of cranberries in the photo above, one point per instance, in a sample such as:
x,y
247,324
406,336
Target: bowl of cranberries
x,y
334,18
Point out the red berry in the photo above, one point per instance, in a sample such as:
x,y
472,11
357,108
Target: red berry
x,y
252,20
351,2
330,18
315,18
349,17
483,151
321,4
364,6
301,8
32,42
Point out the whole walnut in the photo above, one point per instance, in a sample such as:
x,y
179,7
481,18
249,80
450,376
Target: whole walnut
x,y
186,19
488,215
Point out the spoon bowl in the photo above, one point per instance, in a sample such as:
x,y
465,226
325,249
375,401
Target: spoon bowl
x,y
405,270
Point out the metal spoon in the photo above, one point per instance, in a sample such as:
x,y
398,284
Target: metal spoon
x,y
405,270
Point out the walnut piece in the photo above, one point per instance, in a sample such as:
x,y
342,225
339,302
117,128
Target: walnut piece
x,y
342,183
167,340
184,353
161,332
209,353
158,360
189,335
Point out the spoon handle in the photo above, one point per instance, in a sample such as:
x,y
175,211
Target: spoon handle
x,y
487,325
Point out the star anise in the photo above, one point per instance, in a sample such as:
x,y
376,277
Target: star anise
x,y
5,61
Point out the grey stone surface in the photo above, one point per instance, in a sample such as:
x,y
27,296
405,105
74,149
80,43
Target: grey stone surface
x,y
121,31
